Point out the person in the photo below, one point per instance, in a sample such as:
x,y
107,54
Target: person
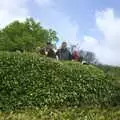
x,y
42,51
84,63
48,50
76,56
64,53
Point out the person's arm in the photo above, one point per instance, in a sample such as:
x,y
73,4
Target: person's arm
x,y
70,56
57,54
54,54
42,51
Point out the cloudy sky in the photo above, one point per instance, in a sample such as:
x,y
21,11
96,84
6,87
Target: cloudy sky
x,y
92,24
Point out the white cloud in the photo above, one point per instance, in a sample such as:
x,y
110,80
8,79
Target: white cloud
x,y
12,10
50,16
107,50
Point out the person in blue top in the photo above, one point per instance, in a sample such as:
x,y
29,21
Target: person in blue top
x,y
63,53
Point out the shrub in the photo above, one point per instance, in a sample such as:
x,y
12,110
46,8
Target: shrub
x,y
28,80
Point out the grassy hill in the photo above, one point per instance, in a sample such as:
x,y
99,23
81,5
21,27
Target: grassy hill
x,y
63,114
31,81
113,72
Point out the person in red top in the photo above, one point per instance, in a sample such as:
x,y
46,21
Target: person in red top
x,y
76,56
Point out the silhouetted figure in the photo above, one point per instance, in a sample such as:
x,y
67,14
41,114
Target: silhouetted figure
x,y
48,50
76,56
64,53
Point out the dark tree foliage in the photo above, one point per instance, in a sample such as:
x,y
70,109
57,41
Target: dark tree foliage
x,y
89,57
25,36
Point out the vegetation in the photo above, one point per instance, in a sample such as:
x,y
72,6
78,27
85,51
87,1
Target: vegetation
x,y
25,36
112,71
33,81
63,114
36,87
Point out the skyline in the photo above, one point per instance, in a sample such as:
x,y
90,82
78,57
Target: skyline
x,y
95,25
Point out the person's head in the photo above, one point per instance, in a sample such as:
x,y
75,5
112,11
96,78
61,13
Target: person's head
x,y
49,45
64,45
75,52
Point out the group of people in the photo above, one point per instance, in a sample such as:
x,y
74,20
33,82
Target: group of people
x,y
61,54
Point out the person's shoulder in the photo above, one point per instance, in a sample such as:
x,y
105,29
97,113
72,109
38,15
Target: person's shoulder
x,y
58,50
42,48
68,50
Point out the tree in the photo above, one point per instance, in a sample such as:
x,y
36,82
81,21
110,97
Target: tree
x,y
52,35
89,57
25,36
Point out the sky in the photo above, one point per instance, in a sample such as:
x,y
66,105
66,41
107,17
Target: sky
x,y
92,25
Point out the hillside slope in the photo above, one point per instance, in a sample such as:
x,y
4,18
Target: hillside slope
x,y
28,80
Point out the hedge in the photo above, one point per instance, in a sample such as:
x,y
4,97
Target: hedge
x,y
29,80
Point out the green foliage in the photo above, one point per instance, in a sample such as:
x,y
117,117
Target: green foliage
x,y
111,71
34,81
52,35
25,36
63,114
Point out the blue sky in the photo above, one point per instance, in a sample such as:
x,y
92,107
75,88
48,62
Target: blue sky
x,y
92,24
81,12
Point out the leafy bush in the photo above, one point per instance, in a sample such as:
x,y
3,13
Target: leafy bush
x,y
63,114
28,80
112,71
25,36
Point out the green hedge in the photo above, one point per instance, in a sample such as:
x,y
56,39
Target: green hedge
x,y
28,80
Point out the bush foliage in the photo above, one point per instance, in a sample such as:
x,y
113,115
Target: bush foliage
x,y
25,36
63,114
28,80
